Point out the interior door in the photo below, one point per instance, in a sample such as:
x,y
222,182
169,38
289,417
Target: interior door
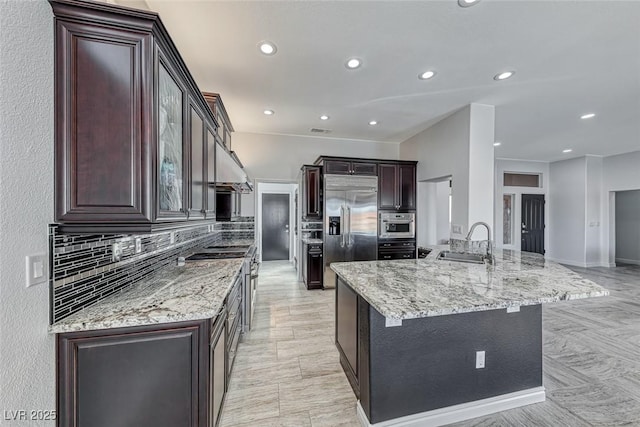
x,y
275,227
532,223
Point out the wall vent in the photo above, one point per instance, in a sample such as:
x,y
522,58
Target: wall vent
x,y
316,130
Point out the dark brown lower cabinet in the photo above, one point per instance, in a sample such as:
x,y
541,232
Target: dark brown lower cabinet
x,y
396,249
143,376
312,266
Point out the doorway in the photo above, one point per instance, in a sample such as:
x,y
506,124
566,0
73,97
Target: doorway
x,y
532,223
627,227
275,227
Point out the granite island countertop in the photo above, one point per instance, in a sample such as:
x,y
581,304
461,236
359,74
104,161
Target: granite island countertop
x,y
410,289
194,291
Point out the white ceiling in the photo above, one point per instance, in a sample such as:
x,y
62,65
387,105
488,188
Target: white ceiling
x,y
571,57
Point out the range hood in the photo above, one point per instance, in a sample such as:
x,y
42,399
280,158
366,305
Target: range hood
x,y
230,174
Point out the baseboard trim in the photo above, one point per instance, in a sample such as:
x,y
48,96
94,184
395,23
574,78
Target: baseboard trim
x,y
567,262
462,412
628,261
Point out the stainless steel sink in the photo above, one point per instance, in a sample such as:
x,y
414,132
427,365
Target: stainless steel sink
x,y
458,257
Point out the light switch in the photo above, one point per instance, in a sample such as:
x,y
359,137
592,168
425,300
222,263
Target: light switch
x,y
479,359
36,269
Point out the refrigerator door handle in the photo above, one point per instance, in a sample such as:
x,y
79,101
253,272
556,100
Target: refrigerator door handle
x,y
343,231
349,240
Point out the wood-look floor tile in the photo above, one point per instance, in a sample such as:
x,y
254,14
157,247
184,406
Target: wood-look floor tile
x,y
293,420
301,347
600,404
543,414
318,364
314,393
250,405
264,372
338,415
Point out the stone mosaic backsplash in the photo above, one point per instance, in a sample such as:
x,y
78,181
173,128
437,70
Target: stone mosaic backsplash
x,y
84,270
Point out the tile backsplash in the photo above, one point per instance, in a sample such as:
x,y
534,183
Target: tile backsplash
x,y
83,269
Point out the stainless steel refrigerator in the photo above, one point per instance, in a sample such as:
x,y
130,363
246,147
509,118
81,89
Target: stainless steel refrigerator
x,y
350,221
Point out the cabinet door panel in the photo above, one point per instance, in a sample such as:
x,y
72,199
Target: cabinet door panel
x,y
361,168
170,142
146,379
99,114
387,186
315,269
347,324
196,199
337,167
211,175
407,186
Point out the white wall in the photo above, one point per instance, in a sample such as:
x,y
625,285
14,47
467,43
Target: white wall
x,y
593,211
279,157
266,156
619,173
442,211
628,227
519,166
27,376
567,201
459,146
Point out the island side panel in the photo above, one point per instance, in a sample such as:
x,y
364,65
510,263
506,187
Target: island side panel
x,y
430,363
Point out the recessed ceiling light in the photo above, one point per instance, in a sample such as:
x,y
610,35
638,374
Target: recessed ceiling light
x,y
497,144
588,116
267,48
503,75
269,112
568,150
467,3
373,123
427,75
353,63
324,117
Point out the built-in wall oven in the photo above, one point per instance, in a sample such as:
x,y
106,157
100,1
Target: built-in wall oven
x,y
397,225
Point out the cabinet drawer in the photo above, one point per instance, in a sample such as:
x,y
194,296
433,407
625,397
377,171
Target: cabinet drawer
x,y
382,255
397,245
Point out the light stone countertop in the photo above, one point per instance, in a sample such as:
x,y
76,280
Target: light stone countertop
x,y
410,289
194,291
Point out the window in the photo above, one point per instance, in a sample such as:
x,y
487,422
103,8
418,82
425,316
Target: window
x,y
507,219
521,180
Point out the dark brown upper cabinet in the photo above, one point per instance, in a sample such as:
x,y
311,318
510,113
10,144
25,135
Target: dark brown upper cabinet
x,y
311,192
349,167
397,186
222,118
198,155
130,122
211,174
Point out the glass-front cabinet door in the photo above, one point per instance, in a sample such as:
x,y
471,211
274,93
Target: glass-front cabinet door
x,y
170,146
196,196
211,174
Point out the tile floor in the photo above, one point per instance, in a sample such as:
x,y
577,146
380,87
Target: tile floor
x,y
287,372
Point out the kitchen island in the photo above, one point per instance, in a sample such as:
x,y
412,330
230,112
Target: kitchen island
x,y
431,342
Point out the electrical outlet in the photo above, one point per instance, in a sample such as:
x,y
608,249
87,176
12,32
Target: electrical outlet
x,y
36,269
513,309
479,359
456,229
116,252
138,245
388,323
172,237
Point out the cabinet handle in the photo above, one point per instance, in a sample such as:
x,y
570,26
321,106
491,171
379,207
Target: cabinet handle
x,y
386,257
386,244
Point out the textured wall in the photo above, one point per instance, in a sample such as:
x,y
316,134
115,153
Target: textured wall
x,y
27,378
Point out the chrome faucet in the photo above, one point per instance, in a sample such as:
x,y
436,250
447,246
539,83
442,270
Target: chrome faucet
x,y
489,249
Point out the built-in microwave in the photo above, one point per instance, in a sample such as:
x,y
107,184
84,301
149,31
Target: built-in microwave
x,y
397,225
